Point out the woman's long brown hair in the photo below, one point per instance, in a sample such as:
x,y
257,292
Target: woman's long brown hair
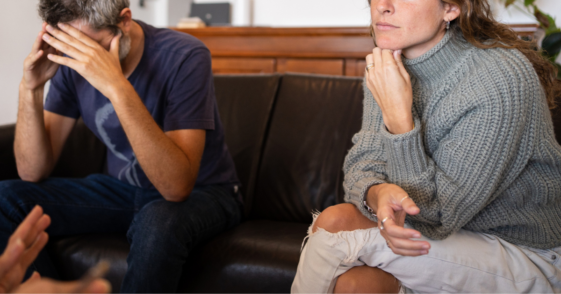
x,y
478,27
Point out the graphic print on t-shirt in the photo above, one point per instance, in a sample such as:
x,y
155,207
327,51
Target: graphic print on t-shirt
x,y
128,173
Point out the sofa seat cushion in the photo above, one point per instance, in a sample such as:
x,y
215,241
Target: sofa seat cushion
x,y
73,256
258,256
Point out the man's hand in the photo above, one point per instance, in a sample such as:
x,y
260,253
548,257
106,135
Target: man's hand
x,y
37,68
390,85
22,248
393,203
101,68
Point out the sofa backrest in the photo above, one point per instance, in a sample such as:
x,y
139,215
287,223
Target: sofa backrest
x,y
8,169
308,138
245,104
288,136
83,154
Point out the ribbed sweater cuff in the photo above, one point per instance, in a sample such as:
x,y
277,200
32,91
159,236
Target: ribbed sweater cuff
x,y
406,156
357,194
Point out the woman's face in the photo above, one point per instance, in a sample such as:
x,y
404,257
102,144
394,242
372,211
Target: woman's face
x,y
415,26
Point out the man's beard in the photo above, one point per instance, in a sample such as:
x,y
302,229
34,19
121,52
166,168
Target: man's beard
x,y
124,46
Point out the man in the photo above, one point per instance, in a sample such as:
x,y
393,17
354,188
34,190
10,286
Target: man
x,y
148,94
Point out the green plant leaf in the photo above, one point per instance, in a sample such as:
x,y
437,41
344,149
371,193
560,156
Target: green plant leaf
x,y
542,18
552,25
528,2
552,44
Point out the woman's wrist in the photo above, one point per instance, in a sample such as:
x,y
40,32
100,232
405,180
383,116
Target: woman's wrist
x,y
400,126
372,197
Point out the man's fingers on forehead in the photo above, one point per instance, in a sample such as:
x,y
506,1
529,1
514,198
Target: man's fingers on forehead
x,y
78,34
68,39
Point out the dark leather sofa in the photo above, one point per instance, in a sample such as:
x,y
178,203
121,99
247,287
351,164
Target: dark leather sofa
x,y
288,135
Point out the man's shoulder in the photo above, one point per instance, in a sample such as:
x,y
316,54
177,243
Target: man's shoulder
x,y
167,41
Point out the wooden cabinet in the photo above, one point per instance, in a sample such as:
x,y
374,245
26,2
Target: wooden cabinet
x,y
231,65
331,51
315,66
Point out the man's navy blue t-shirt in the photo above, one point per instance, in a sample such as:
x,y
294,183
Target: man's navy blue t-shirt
x,y
174,80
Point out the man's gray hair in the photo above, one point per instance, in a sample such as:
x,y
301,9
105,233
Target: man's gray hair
x,y
99,14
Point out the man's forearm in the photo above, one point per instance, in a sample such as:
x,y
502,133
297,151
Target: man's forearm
x,y
167,167
33,151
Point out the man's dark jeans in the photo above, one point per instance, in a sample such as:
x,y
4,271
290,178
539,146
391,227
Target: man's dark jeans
x,y
161,233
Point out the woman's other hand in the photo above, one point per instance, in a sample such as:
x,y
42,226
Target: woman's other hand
x,y
392,205
390,85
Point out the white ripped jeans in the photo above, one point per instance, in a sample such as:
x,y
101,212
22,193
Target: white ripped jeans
x,y
465,262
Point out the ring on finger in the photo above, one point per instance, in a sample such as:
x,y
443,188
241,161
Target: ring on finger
x,y
384,221
388,243
369,66
403,199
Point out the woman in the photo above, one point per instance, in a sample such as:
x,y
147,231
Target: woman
x,y
454,182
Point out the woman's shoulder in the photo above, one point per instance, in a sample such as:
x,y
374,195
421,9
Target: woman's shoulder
x,y
497,80
502,64
506,71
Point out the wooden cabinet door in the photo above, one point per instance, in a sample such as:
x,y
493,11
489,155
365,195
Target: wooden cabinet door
x,y
224,65
313,66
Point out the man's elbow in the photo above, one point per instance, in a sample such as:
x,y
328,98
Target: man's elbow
x,y
177,194
31,176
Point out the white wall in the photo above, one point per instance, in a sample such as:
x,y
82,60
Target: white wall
x,y
514,15
330,13
299,13
312,13
19,24
241,10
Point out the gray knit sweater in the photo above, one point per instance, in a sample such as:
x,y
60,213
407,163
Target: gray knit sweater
x,y
483,155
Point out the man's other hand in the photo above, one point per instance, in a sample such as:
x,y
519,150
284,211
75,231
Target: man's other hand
x,y
37,68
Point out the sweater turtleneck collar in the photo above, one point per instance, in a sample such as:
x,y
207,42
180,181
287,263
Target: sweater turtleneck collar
x,y
432,66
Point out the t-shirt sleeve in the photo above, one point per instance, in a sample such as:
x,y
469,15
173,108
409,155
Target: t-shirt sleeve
x,y
62,98
191,102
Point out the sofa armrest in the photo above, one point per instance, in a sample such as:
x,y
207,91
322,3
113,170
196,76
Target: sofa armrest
x,y
8,169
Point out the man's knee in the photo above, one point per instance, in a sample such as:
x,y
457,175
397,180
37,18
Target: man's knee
x,y
11,185
15,201
342,217
157,214
156,219
14,190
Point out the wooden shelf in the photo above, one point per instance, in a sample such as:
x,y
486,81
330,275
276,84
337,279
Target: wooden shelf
x,y
333,51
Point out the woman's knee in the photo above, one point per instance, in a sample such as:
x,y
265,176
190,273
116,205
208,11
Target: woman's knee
x,y
365,279
342,217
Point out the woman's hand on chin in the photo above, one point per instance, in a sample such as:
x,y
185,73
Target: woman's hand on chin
x,y
390,85
392,204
